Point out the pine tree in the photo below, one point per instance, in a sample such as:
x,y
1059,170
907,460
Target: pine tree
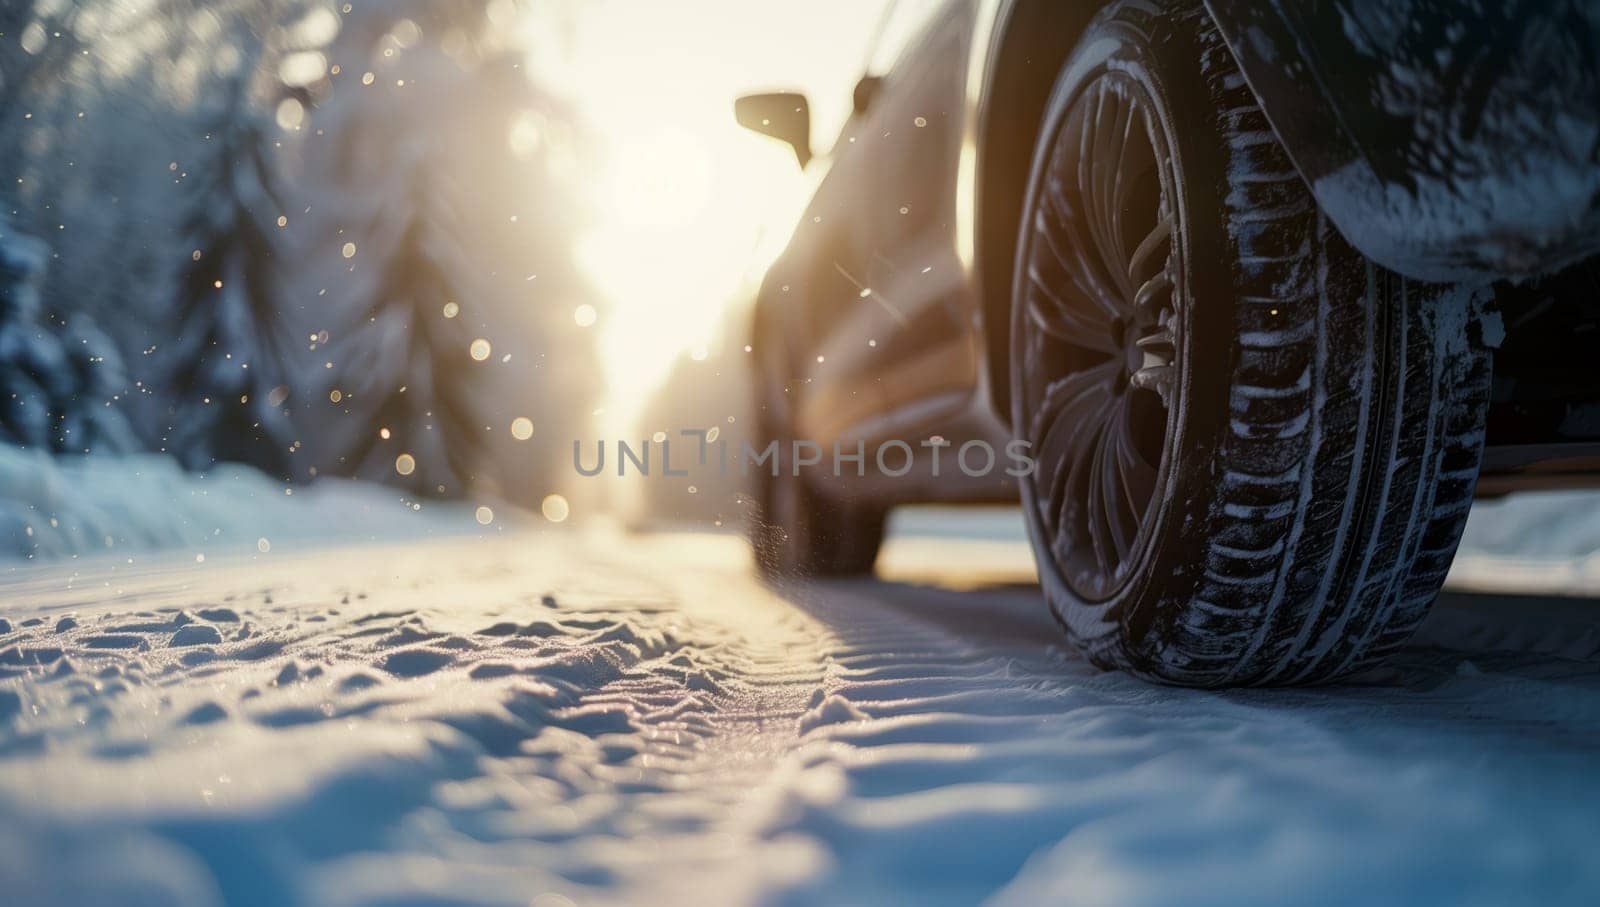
x,y
405,394
226,364
91,419
58,380
404,366
32,363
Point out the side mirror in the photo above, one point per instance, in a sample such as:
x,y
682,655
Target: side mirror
x,y
783,115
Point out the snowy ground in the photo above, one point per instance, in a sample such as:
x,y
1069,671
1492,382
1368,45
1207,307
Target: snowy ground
x,y
583,716
71,506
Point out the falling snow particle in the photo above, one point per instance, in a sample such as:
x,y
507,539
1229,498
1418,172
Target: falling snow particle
x,y
405,464
262,545
484,516
522,428
349,250
480,349
451,310
584,315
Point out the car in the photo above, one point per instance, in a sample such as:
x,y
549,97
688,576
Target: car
x,y
1272,289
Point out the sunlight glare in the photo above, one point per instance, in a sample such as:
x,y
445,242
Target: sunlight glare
x,y
691,205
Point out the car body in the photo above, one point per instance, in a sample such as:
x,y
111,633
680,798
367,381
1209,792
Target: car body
x,y
910,239
1269,290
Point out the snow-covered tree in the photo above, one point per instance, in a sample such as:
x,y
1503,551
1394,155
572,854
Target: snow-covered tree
x,y
59,381
111,116
404,367
437,258
225,364
92,420
32,364
136,135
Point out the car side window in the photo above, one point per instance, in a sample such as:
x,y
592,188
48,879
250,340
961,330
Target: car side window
x,y
902,24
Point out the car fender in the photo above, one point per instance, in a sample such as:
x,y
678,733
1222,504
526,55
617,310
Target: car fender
x,y
1446,139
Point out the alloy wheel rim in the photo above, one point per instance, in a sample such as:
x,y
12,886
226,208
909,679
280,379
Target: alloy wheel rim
x,y
1101,335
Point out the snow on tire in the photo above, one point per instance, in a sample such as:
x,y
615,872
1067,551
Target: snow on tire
x,y
1257,449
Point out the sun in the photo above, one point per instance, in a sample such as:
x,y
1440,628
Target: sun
x,y
683,211
690,206
660,180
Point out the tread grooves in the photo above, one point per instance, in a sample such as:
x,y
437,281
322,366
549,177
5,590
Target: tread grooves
x,y
1330,486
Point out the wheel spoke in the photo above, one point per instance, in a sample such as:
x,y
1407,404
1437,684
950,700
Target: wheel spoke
x,y
1064,428
1155,241
1095,282
1073,523
1099,171
1121,181
1115,534
1138,162
1136,476
1077,324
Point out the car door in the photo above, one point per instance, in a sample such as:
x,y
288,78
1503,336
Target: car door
x,y
911,312
875,253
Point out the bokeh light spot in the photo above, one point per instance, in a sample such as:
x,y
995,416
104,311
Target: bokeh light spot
x,y
555,508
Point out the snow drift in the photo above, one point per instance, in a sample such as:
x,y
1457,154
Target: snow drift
x,y
53,507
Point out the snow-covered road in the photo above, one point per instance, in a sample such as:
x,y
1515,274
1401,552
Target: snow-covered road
x,y
592,717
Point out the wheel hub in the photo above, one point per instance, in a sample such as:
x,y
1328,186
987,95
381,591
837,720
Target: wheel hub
x,y
1101,336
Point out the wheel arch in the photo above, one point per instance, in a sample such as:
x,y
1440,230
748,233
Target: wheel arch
x,y
1032,39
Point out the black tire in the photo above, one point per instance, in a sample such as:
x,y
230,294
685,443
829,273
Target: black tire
x,y
1259,471
796,531
799,534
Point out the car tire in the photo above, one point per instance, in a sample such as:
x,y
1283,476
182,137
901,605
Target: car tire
x,y
1255,449
795,530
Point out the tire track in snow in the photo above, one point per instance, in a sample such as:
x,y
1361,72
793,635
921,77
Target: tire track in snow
x,y
638,720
